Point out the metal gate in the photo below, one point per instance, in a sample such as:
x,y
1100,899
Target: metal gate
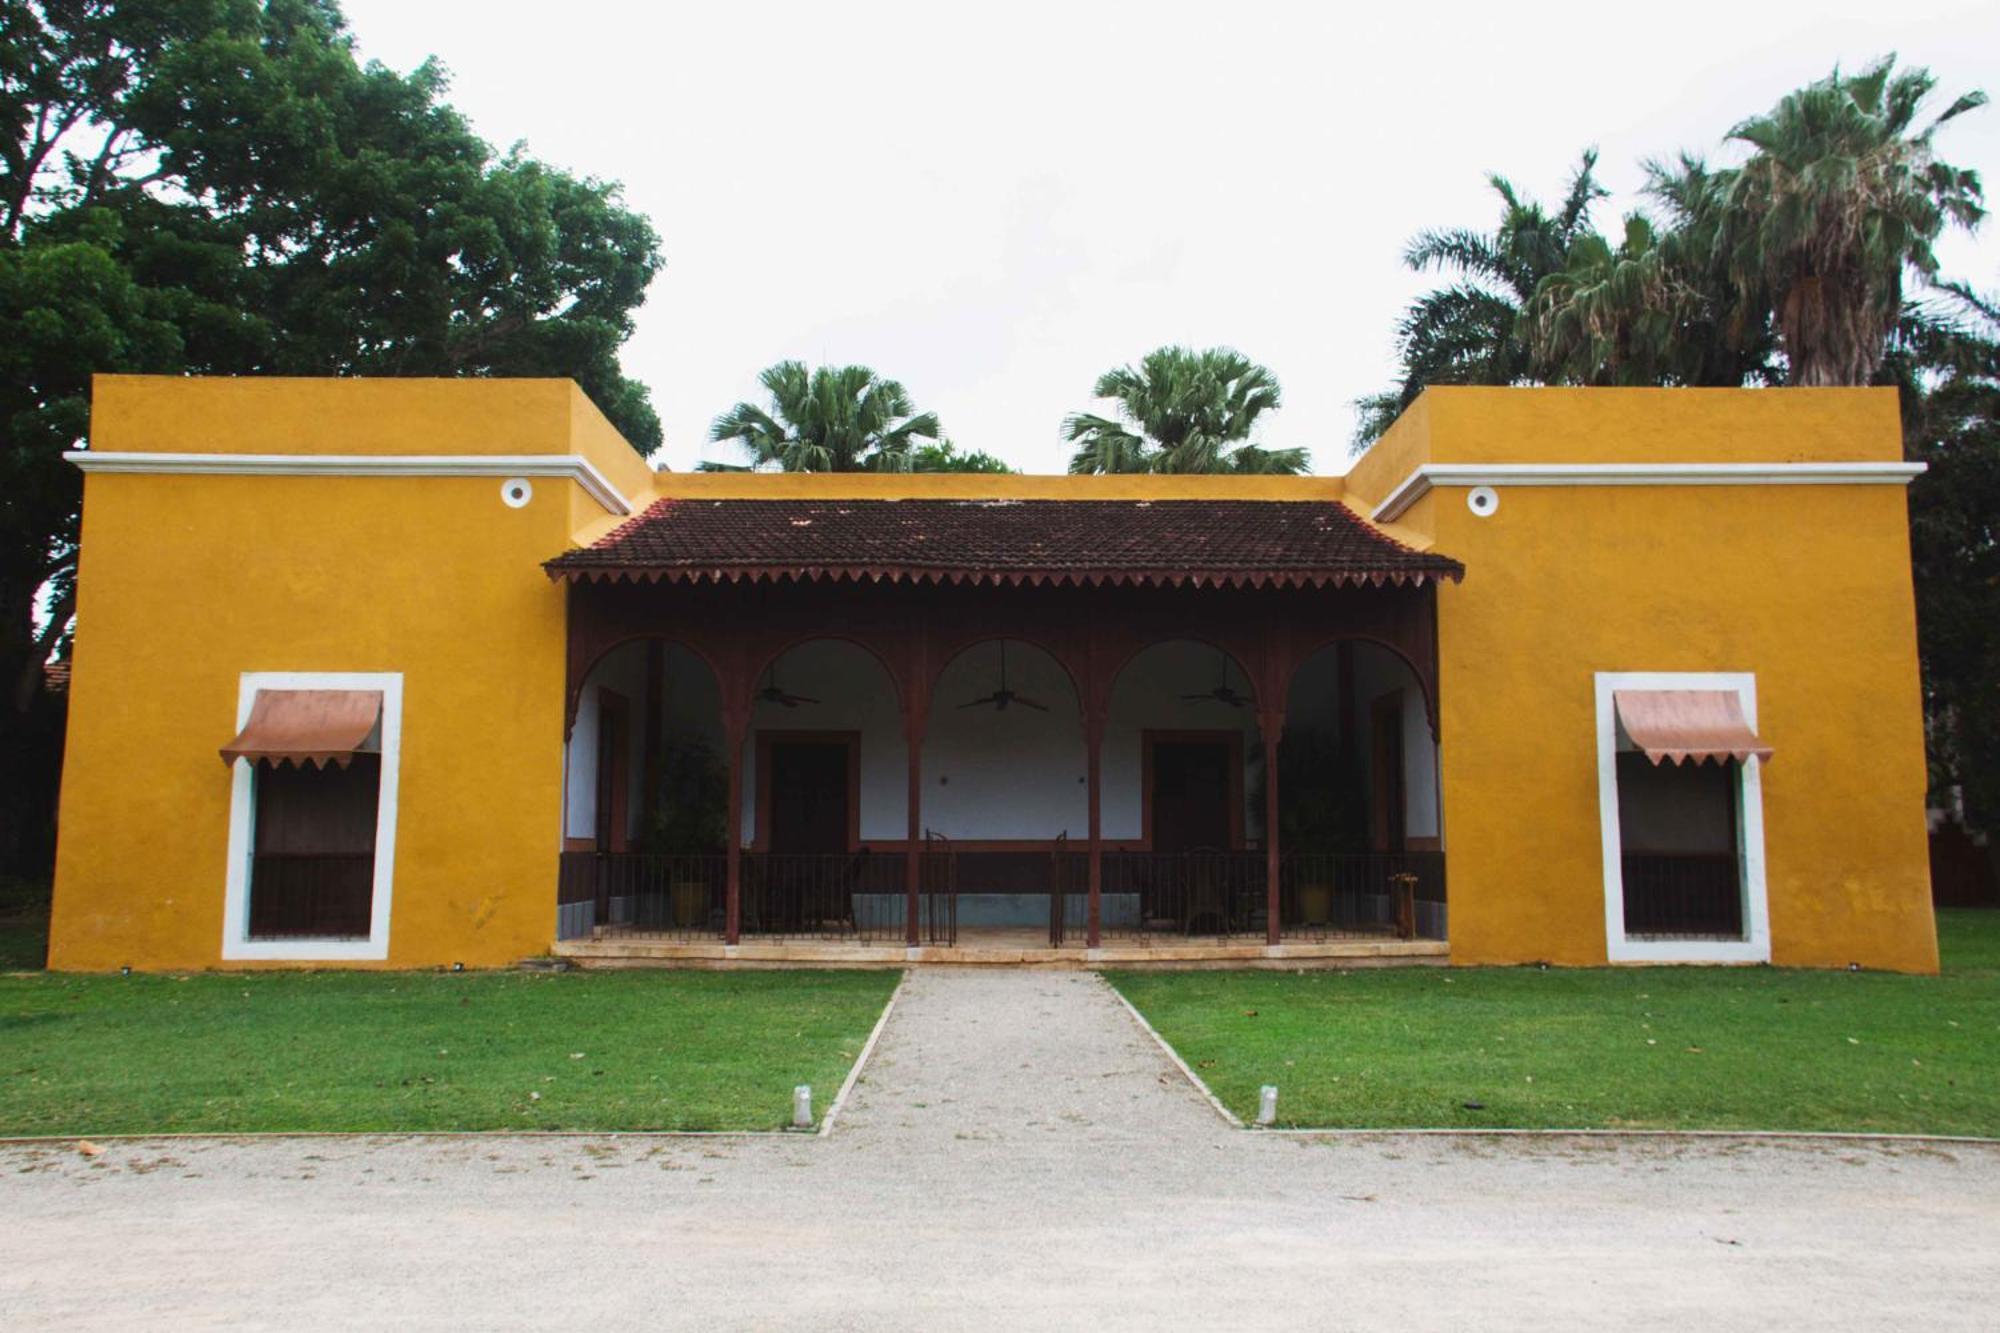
x,y
940,890
1058,907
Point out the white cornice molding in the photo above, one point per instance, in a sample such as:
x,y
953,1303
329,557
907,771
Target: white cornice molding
x,y
571,467
1419,483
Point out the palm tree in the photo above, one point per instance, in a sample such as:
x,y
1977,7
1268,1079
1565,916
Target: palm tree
x,y
1837,201
1610,316
1726,339
1469,332
833,419
1181,410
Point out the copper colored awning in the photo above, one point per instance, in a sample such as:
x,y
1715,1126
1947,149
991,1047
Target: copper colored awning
x,y
317,727
1688,726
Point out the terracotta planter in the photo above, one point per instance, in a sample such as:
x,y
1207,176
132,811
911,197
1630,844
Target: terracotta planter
x,y
1315,904
690,901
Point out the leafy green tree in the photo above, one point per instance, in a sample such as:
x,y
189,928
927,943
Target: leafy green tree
x,y
831,419
1945,358
1470,332
1181,410
220,187
945,456
1840,199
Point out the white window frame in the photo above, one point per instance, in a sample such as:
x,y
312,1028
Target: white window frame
x,y
1755,946
236,942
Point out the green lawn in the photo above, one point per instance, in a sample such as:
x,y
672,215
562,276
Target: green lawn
x,y
425,1051
1679,1048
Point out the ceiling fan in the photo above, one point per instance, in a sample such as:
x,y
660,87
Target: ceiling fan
x,y
1003,697
1223,693
771,694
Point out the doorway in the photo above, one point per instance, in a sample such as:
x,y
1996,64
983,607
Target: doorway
x,y
614,758
1388,790
1194,790
807,797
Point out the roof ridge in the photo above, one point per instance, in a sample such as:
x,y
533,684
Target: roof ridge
x,y
972,539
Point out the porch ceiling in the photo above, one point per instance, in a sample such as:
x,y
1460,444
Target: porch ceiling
x,y
1236,543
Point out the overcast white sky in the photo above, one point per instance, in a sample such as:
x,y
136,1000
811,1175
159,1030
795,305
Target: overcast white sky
x,y
996,204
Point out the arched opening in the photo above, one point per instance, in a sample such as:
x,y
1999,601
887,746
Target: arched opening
x,y
645,808
1004,779
1183,824
824,796
1359,814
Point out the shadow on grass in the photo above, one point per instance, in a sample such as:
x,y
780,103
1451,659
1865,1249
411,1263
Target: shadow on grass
x,y
24,925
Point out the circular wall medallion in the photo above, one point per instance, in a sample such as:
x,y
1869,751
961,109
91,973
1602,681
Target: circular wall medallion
x,y
516,492
1482,500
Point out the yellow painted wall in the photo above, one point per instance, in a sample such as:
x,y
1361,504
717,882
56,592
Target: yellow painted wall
x,y
1806,586
188,581
277,415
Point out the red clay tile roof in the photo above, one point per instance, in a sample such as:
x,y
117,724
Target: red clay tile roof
x,y
1240,543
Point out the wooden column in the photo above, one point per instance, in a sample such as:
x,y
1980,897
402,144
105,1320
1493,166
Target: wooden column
x,y
1272,724
1345,751
735,726
1093,740
916,716
654,720
913,857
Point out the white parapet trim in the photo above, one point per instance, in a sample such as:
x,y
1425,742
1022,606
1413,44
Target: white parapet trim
x,y
1420,481
571,467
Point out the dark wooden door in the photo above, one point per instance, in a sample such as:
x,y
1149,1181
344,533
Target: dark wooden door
x,y
1191,795
1387,791
614,757
313,874
810,799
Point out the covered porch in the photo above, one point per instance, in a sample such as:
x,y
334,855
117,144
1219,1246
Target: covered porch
x,y
1104,756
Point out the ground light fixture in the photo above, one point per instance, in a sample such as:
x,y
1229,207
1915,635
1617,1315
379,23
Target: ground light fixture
x,y
1267,1104
802,1106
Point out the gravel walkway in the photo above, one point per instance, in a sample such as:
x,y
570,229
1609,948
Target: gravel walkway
x,y
1018,1154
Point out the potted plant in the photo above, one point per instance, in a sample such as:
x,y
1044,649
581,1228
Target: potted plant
x,y
1322,810
690,821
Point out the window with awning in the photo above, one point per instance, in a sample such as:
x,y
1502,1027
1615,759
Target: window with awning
x,y
316,789
309,727
1680,755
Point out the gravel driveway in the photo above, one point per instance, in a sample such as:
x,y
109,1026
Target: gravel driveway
x,y
1017,1154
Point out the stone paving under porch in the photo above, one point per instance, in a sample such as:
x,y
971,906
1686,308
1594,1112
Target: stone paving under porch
x,y
998,947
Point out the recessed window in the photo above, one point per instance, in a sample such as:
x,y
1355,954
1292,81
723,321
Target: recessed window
x,y
314,769
1678,847
1681,808
312,875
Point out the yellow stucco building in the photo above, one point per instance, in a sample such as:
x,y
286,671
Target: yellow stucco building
x,y
413,673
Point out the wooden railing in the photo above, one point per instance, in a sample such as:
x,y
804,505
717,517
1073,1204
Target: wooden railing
x,y
1689,895
858,896
1358,895
862,897
1148,895
644,894
311,895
